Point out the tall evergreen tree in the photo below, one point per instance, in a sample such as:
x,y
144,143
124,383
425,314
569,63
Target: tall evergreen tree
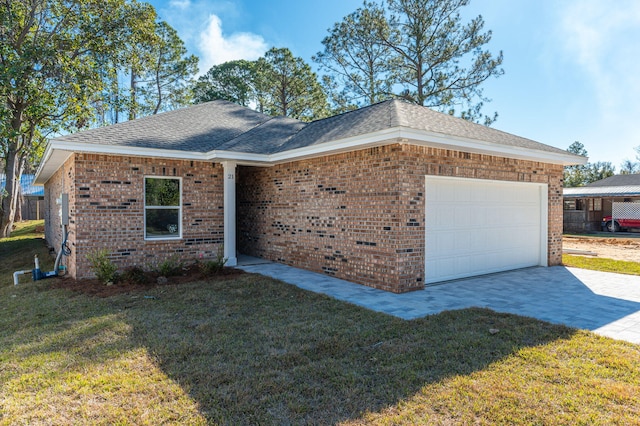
x,y
152,73
232,81
575,175
629,167
433,44
169,71
276,84
584,174
361,66
419,50
289,87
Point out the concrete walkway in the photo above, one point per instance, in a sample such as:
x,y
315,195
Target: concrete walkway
x,y
608,304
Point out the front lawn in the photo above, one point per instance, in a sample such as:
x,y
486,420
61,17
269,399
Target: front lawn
x,y
601,264
252,350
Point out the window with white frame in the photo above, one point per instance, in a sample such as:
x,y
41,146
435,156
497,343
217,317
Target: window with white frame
x,y
162,208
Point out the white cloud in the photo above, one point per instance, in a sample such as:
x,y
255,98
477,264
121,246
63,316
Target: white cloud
x,y
601,52
602,38
180,4
216,47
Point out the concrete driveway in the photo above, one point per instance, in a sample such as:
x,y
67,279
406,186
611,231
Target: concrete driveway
x,y
608,304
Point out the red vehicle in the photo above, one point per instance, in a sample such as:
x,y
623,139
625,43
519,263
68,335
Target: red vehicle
x,y
620,224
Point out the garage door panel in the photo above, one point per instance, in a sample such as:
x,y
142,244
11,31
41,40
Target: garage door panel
x,y
477,226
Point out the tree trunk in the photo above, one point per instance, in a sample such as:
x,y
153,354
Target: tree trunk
x,y
159,89
133,107
12,173
19,203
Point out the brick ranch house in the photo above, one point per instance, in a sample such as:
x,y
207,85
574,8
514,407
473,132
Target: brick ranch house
x,y
393,195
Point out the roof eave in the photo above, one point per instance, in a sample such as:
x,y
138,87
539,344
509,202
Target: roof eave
x,y
602,191
430,139
52,160
499,150
57,152
241,158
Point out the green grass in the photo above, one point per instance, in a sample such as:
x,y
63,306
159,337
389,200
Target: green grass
x,y
253,350
601,264
17,251
606,235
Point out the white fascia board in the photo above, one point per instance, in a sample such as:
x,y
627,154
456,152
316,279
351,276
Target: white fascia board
x,y
240,158
43,161
489,148
429,139
57,153
160,153
128,150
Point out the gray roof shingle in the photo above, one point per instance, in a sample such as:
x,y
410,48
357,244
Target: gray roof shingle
x,y
394,113
199,128
266,138
225,126
617,180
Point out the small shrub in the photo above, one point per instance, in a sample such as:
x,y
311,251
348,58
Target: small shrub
x,y
210,267
102,266
170,267
135,275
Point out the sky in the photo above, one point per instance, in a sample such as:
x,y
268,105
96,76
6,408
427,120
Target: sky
x,y
572,67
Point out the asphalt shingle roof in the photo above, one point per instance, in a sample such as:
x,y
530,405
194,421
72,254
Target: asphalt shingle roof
x,y
225,126
618,180
265,138
199,128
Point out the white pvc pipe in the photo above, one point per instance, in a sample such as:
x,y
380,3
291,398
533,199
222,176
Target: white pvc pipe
x,y
15,276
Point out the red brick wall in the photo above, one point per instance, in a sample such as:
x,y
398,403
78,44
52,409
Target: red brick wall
x,y
360,215
107,209
357,215
61,182
338,215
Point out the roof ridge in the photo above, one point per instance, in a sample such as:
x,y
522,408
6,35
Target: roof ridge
x,y
351,111
393,105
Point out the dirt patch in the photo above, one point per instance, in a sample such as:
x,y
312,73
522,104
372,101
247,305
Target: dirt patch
x,y
94,287
610,248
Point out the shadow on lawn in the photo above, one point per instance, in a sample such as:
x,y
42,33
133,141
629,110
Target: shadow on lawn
x,y
251,350
256,351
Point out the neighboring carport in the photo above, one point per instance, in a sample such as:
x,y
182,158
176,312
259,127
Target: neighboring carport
x,y
584,207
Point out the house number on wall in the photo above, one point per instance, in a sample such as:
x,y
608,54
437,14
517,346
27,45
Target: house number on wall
x,y
231,176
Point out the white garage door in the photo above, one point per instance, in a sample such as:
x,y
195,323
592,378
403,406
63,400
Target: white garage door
x,y
476,226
